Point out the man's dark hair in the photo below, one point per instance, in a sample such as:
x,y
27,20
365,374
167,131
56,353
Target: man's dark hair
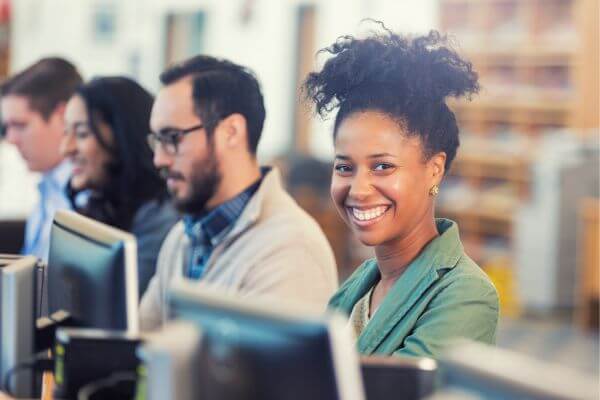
x,y
46,84
222,88
407,79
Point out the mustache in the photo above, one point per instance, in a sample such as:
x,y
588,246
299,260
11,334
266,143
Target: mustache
x,y
165,173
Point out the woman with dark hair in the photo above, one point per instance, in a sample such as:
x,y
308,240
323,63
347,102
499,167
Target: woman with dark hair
x,y
113,179
395,138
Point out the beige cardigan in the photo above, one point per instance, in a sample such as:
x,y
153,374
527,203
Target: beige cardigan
x,y
274,249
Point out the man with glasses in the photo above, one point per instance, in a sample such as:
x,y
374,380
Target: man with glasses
x,y
32,108
241,231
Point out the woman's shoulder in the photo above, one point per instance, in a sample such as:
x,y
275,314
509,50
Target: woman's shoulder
x,y
355,286
155,215
468,279
467,267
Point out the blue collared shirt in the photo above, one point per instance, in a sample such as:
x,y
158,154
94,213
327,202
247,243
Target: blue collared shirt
x,y
53,197
208,230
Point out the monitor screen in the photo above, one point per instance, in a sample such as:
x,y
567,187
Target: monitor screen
x,y
476,371
92,273
256,350
17,321
169,363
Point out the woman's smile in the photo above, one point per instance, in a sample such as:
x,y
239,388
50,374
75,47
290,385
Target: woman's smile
x,y
365,216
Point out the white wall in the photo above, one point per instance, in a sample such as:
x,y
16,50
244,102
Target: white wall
x,y
339,17
266,43
63,27
18,191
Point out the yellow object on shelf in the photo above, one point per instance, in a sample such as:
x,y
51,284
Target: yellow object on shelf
x,y
503,276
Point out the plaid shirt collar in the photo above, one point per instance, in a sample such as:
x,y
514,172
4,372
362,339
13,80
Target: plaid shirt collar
x,y
210,228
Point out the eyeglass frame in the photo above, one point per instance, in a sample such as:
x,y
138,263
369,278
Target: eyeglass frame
x,y
173,138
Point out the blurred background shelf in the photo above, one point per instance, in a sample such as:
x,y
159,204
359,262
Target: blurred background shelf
x,y
501,104
536,60
589,273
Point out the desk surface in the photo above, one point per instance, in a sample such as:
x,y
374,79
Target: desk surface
x,y
47,385
47,388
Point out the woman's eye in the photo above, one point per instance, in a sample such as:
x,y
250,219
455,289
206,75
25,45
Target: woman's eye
x,y
382,166
342,168
81,134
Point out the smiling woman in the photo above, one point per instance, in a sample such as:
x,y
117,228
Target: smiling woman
x,y
114,180
381,182
395,138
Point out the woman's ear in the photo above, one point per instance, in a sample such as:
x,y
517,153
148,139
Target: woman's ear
x,y
437,164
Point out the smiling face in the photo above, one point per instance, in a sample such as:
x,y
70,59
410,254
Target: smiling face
x,y
89,158
381,178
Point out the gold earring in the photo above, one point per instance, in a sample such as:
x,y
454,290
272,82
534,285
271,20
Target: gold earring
x,y
435,189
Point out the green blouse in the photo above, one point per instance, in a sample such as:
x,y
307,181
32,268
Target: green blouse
x,y
442,295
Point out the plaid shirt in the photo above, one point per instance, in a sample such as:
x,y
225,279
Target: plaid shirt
x,y
208,230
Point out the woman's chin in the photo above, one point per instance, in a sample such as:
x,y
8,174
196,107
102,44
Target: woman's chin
x,y
78,184
368,239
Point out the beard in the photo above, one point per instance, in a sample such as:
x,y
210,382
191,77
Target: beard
x,y
203,184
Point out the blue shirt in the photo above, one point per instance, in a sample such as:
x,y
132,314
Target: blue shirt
x,y
207,230
53,197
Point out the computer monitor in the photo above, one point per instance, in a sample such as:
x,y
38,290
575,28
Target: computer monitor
x,y
409,378
474,371
92,273
170,363
259,349
17,321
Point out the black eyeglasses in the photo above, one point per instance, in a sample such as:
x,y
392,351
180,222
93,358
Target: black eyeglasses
x,y
169,139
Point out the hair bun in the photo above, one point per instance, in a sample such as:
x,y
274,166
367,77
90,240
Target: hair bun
x,y
423,69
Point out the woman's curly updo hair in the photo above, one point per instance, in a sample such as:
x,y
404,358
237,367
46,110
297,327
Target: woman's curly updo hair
x,y
407,79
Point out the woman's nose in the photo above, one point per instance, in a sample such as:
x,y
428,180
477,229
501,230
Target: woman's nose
x,y
67,145
361,186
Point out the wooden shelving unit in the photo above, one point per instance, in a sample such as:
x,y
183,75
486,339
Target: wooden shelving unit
x,y
589,273
537,60
4,38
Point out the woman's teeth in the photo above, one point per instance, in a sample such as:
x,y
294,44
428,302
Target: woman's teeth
x,y
371,213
